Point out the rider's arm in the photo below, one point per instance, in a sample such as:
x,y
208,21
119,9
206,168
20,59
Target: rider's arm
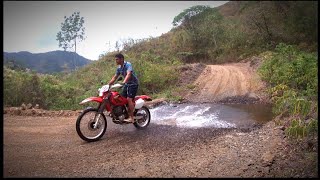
x,y
126,79
113,79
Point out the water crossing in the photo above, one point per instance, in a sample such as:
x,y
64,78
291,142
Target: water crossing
x,y
198,115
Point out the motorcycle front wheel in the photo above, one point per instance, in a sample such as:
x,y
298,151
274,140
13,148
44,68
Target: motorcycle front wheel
x,y
85,125
144,118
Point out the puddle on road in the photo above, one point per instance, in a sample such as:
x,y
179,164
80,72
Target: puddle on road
x,y
211,115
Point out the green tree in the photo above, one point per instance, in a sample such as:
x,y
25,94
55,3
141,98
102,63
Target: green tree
x,y
261,19
210,29
71,30
189,22
302,21
184,18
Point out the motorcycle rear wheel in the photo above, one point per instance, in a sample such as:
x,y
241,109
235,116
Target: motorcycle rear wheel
x,y
85,125
144,122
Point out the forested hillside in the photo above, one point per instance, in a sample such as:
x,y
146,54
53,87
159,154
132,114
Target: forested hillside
x,y
232,32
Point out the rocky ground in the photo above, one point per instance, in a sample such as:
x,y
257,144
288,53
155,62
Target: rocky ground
x,y
19,111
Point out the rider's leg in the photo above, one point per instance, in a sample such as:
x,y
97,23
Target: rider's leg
x,y
131,91
130,109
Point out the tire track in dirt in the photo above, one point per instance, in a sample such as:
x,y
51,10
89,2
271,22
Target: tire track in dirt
x,y
218,82
224,80
241,86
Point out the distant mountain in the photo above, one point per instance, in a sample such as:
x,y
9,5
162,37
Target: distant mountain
x,y
47,63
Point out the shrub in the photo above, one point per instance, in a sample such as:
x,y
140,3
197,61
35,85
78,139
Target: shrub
x,y
292,75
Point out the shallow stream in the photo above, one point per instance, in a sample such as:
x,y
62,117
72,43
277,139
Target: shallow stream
x,y
197,115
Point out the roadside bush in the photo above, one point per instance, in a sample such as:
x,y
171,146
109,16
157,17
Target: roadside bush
x,y
21,87
292,75
154,75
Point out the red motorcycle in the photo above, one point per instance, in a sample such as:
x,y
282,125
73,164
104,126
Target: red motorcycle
x,y
91,124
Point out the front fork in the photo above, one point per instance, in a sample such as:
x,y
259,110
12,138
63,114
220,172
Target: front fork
x,y
100,111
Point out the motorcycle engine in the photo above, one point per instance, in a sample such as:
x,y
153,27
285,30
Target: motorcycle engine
x,y
119,112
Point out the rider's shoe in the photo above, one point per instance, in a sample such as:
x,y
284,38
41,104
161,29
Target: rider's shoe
x,y
129,120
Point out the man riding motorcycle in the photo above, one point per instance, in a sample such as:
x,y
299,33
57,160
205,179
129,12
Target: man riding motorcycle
x,y
130,82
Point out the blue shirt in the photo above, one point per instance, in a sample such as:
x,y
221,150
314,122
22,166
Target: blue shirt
x,y
127,67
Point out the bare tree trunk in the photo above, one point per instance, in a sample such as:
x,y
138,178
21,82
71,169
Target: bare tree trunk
x,y
255,22
215,42
75,45
75,50
267,27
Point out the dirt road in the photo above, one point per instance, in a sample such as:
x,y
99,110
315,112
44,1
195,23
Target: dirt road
x,y
218,82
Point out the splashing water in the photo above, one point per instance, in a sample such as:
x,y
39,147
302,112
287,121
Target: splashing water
x,y
209,115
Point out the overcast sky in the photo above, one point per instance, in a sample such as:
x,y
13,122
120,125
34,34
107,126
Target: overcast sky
x,y
33,25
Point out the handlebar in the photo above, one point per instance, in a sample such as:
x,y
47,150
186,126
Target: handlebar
x,y
107,87
119,79
118,85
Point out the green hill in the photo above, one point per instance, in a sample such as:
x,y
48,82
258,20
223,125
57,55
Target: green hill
x,y
233,31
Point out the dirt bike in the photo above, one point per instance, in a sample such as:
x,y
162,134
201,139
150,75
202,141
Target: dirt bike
x,y
91,124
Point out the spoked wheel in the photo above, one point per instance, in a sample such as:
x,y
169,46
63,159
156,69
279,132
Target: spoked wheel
x,y
143,118
91,125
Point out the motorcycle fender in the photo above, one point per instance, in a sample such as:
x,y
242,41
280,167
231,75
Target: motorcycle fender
x,y
96,99
139,103
144,97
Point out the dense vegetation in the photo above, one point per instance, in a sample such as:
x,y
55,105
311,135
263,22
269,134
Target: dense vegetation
x,y
292,76
232,32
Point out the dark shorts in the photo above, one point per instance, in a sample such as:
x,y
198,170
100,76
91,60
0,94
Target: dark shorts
x,y
129,90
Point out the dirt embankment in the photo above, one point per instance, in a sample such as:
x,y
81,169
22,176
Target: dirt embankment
x,y
39,112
